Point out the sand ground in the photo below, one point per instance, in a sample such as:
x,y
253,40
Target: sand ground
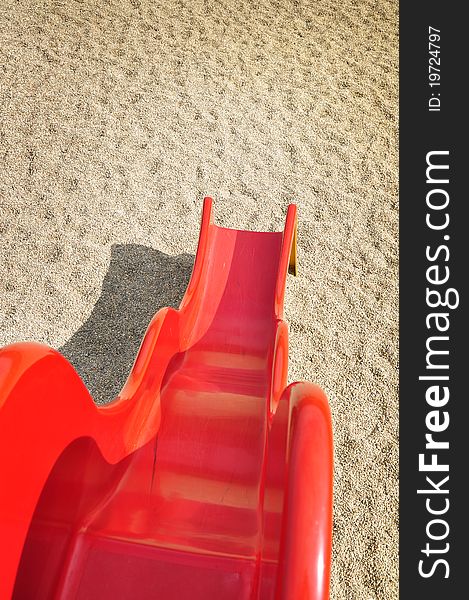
x,y
118,116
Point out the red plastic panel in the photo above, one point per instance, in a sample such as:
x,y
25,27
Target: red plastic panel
x,y
205,478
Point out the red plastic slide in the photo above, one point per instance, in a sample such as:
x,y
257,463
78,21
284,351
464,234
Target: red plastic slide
x,y
206,478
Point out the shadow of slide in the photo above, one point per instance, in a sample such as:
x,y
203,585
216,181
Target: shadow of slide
x,y
139,282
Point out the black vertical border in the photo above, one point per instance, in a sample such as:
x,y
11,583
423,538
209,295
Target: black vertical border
x,y
422,131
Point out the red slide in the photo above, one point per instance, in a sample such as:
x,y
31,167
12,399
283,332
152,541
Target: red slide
x,y
206,478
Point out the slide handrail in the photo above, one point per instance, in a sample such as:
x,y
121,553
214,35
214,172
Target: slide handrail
x,y
306,539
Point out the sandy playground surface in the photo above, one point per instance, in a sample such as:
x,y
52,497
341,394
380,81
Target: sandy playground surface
x,y
118,116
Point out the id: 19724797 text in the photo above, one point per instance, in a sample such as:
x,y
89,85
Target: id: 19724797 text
x,y
434,76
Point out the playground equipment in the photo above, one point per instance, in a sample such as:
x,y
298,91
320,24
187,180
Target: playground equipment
x,y
206,478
